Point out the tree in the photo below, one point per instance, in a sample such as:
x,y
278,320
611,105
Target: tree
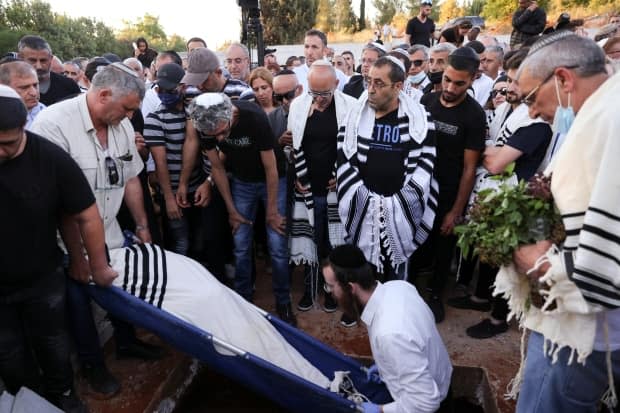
x,y
344,16
361,25
286,21
499,9
387,9
449,9
324,15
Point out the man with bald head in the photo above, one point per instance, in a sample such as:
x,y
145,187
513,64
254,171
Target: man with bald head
x,y
314,121
22,77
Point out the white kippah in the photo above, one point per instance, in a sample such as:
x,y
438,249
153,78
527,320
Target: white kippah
x,y
395,60
7,92
207,100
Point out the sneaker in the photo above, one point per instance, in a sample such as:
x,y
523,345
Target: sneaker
x,y
466,303
285,313
329,305
486,329
306,302
68,402
139,349
347,321
436,306
100,381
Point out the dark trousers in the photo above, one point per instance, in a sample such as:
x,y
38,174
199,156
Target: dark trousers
x,y
218,244
486,278
83,329
32,320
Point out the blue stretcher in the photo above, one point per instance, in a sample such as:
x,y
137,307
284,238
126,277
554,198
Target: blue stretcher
x,y
284,388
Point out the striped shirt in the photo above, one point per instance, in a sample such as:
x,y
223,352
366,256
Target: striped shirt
x,y
166,127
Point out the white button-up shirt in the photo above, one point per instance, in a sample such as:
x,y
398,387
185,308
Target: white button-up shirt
x,y
411,357
68,124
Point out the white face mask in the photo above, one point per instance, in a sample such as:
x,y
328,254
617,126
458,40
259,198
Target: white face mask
x,y
564,116
418,78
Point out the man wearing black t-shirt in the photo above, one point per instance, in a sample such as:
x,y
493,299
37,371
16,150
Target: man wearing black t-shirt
x,y
386,190
421,28
460,124
247,146
53,87
39,185
315,119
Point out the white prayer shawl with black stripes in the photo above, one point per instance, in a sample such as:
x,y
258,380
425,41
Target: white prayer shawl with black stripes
x,y
184,288
302,246
584,276
403,221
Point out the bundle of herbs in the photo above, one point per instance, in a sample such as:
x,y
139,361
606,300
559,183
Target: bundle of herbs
x,y
503,219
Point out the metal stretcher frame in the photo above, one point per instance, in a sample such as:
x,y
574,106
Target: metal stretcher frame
x,y
284,388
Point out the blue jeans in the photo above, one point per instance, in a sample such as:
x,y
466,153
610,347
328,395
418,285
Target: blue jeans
x,y
246,196
560,387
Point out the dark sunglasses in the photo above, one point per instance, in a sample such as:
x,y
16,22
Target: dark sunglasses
x,y
503,91
112,170
417,63
288,96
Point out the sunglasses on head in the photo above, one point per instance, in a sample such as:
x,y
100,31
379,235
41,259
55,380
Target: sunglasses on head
x,y
288,96
503,91
417,63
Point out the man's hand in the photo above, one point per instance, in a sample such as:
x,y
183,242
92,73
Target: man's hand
x,y
372,374
371,407
104,276
447,225
181,196
533,6
525,258
79,269
277,222
144,234
300,188
286,139
331,184
202,197
236,220
172,209
140,142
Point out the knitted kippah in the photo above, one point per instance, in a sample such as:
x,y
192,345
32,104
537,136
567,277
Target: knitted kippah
x,y
347,256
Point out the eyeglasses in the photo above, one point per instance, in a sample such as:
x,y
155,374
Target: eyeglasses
x,y
290,95
530,98
325,94
503,91
378,84
417,63
112,170
368,61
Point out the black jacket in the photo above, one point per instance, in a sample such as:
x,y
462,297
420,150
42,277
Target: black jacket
x,y
529,22
355,86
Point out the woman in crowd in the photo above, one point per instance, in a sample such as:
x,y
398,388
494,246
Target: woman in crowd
x,y
261,80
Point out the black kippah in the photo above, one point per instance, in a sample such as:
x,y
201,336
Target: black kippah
x,y
464,53
347,256
14,113
476,45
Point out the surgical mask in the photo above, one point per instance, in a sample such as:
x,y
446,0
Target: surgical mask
x,y
564,116
416,79
435,77
169,99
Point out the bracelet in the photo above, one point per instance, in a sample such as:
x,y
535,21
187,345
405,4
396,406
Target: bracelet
x,y
141,228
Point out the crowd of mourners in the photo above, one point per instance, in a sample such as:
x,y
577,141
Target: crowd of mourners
x,y
356,168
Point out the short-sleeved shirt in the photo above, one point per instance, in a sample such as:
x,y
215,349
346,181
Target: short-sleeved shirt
x,y
68,124
457,128
420,33
532,140
36,188
166,128
319,146
384,170
251,135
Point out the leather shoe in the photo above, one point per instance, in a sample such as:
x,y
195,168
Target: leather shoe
x,y
100,381
139,349
436,306
486,329
285,313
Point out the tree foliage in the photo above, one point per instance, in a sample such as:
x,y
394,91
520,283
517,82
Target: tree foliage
x,y
449,9
150,28
286,21
324,15
387,9
361,25
344,18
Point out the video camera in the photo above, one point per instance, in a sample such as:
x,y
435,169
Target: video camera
x,y
252,29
